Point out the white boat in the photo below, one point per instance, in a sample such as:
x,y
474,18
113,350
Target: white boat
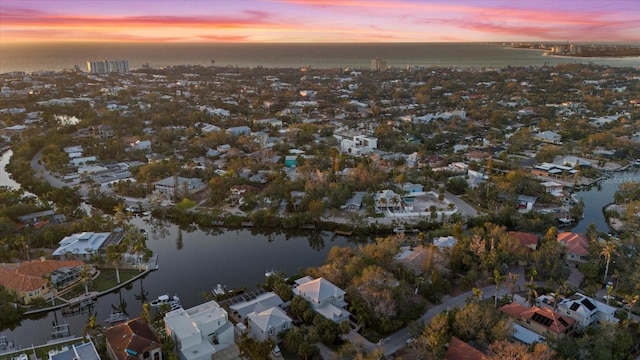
x,y
116,317
166,300
565,220
269,273
219,290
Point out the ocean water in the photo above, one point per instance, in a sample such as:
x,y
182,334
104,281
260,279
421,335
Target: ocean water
x,y
59,56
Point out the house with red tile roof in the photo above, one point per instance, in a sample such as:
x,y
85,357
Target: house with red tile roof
x,y
542,321
460,350
576,245
28,279
132,340
527,240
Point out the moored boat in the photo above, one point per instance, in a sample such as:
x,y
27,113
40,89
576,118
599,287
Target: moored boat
x,y
166,300
219,290
116,317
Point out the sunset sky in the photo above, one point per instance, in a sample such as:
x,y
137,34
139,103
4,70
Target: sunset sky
x,y
296,21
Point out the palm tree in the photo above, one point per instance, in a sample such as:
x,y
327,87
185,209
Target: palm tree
x,y
92,328
293,338
497,278
513,283
84,274
607,251
113,256
477,294
631,300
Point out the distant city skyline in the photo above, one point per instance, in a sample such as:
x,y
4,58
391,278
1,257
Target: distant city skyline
x,y
318,21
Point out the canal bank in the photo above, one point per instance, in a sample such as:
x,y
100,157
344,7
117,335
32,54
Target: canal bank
x,y
152,265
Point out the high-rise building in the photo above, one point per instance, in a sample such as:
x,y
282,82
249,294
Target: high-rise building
x,y
108,66
378,64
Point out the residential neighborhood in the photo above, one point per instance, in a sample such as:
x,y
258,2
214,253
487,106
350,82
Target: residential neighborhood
x,y
457,188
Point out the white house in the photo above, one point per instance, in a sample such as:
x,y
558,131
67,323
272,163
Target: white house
x,y
262,302
359,144
267,324
79,161
355,203
444,242
583,309
202,332
273,122
144,145
239,130
171,184
83,245
324,297
549,137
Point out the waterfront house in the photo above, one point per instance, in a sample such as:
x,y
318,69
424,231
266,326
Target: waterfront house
x,y
583,309
576,246
268,324
355,203
132,340
556,171
84,245
85,350
554,188
202,332
324,297
240,310
28,278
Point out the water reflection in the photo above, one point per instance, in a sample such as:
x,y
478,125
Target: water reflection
x,y
234,258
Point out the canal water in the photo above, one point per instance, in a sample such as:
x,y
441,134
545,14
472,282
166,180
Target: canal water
x,y
600,195
191,263
5,179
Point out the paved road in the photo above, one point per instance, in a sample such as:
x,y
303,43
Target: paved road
x,y
42,172
398,340
464,209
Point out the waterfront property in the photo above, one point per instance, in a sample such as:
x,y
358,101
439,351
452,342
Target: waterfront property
x,y
241,310
324,297
84,245
131,340
77,351
28,279
576,246
202,332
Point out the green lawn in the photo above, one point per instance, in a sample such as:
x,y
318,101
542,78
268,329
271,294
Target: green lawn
x,y
107,279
